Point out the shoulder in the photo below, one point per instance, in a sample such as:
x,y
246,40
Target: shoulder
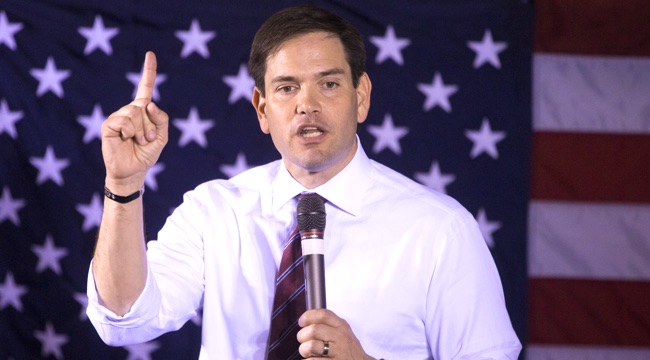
x,y
252,181
404,194
256,176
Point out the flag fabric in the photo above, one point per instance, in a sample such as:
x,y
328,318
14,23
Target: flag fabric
x,y
451,108
589,227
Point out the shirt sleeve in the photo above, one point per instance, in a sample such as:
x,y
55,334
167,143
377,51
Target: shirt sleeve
x,y
173,289
466,317
117,330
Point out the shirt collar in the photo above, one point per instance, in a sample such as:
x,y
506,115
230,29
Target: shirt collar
x,y
346,190
285,187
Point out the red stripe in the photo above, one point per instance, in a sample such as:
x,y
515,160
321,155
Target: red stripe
x,y
606,27
590,167
589,312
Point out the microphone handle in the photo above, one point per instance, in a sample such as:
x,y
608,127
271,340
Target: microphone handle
x,y
315,281
314,265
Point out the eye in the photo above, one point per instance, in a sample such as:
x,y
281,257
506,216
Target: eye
x,y
330,84
285,89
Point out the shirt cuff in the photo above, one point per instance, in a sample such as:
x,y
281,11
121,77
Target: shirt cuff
x,y
143,309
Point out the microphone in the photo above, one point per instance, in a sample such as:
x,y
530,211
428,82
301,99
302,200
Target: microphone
x,y
311,224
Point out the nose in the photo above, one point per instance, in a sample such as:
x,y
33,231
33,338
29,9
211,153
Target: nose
x,y
307,102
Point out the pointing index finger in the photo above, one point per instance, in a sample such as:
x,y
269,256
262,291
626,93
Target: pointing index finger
x,y
146,85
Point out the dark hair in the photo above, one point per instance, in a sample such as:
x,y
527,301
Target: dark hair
x,y
295,21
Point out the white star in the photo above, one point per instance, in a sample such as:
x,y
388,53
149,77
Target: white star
x,y
387,135
437,93
134,78
238,167
193,128
8,119
82,299
92,213
241,85
9,207
93,124
487,227
195,40
485,140
10,293
51,341
150,177
390,46
434,179
141,351
487,51
8,30
50,78
98,37
49,167
49,255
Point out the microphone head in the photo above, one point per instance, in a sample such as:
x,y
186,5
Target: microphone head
x,y
311,213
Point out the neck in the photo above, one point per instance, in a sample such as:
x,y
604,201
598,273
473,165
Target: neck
x,y
313,179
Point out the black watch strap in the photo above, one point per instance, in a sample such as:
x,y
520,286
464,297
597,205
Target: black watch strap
x,y
122,199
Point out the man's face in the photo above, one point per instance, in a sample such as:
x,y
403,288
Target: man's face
x,y
311,109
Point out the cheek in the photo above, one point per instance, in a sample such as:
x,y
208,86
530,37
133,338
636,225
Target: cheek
x,y
276,125
269,122
264,125
278,119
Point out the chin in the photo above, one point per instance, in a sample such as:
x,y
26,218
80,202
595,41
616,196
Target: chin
x,y
314,164
315,168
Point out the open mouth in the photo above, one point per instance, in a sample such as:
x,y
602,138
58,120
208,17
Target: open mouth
x,y
311,131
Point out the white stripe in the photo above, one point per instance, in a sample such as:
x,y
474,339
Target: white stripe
x,y
537,352
593,241
313,246
591,93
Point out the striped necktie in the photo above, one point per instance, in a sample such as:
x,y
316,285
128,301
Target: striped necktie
x,y
289,302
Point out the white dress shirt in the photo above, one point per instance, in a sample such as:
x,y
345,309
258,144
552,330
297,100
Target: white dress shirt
x,y
405,266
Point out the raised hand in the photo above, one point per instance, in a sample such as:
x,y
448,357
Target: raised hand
x,y
133,137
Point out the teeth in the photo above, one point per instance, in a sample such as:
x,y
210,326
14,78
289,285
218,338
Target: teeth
x,y
310,132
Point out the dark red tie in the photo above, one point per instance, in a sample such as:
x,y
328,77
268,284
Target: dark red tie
x,y
289,302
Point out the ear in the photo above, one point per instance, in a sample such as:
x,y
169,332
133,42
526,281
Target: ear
x,y
259,103
363,97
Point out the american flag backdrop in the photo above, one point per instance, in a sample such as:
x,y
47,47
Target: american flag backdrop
x,y
589,218
453,107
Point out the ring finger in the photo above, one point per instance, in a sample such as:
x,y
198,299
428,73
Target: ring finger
x,y
316,349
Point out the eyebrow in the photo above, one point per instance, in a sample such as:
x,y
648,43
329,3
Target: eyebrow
x,y
333,71
288,78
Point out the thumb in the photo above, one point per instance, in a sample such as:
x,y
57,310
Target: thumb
x,y
159,119
156,116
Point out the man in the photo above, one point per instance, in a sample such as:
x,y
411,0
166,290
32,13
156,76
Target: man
x,y
408,274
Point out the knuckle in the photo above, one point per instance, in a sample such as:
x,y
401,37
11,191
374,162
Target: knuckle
x,y
124,122
114,121
320,314
314,347
126,111
308,332
309,348
130,108
139,102
304,351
